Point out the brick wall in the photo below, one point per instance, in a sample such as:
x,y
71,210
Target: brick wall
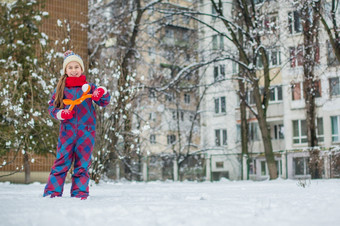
x,y
75,12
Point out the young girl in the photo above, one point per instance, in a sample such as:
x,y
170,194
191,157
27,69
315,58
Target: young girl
x,y
77,129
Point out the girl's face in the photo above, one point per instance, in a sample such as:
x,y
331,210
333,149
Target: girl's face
x,y
73,69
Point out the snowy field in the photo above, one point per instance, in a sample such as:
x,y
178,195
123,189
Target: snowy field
x,y
279,202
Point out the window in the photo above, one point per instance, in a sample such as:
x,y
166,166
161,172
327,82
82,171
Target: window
x,y
275,94
253,133
219,165
169,33
334,87
263,168
187,98
264,171
317,85
238,133
235,67
152,116
335,120
259,62
269,23
300,131
319,129
250,97
152,139
275,57
219,72
151,52
171,139
301,166
221,42
214,42
331,58
220,105
213,10
296,56
294,22
217,42
297,90
169,97
220,134
252,167
278,132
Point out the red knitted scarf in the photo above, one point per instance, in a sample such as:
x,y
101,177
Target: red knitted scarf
x,y
75,81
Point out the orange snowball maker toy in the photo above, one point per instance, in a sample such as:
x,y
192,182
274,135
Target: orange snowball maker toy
x,y
86,88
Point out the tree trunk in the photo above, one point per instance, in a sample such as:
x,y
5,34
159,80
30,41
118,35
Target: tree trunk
x,y
244,124
310,38
268,148
265,132
27,168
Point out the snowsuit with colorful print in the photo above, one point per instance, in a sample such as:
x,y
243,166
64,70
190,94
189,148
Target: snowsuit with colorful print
x,y
75,143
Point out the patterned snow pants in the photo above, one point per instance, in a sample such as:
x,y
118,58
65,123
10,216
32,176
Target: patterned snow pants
x,y
75,143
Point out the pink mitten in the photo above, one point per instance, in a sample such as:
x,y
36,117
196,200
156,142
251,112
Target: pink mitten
x,y
65,114
98,93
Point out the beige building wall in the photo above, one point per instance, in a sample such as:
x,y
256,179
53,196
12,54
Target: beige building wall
x,y
158,111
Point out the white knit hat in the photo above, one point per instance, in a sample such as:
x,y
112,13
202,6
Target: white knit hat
x,y
70,56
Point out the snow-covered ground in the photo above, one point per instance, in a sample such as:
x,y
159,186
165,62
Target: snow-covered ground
x,y
279,202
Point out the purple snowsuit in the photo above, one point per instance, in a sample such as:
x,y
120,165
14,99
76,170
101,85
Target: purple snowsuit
x,y
75,143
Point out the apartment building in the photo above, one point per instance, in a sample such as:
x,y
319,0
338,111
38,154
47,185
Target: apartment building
x,y
220,118
170,112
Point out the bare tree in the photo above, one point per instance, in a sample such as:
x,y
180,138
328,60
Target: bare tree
x,y
329,18
311,84
248,41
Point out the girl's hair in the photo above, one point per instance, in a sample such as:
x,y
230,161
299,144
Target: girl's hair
x,y
59,95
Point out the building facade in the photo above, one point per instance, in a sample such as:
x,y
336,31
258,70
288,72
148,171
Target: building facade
x,y
286,116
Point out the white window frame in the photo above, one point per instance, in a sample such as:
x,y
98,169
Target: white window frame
x,y
219,72
331,86
235,67
335,134
278,132
217,42
278,57
152,116
253,131
171,139
152,138
302,139
218,107
305,166
221,137
275,90
292,17
187,97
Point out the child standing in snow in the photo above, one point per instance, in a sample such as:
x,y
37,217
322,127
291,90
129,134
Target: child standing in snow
x,y
77,129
